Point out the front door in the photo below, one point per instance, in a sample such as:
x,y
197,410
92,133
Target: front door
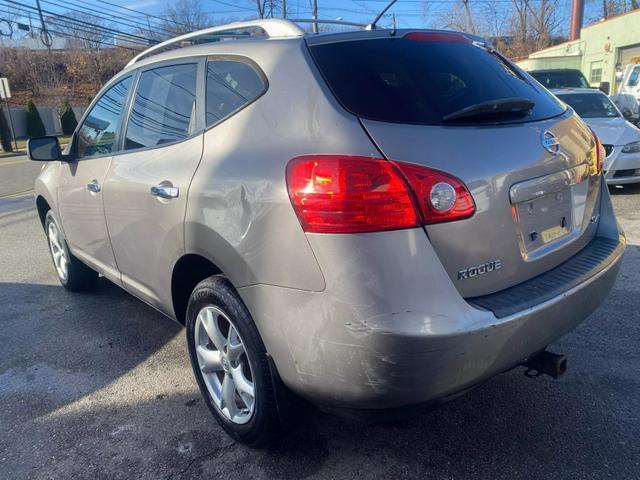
x,y
145,192
80,200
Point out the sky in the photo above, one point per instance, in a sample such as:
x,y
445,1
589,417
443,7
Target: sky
x,y
409,13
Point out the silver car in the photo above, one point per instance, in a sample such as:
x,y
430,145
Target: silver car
x,y
370,221
620,138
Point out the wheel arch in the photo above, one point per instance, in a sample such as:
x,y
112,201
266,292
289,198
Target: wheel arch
x,y
42,205
188,271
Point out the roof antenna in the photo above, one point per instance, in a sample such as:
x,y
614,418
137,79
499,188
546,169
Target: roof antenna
x,y
372,25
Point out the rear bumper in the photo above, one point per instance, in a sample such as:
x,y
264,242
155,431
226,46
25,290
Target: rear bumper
x,y
391,330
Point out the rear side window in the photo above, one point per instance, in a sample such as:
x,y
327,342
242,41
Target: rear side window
x,y
163,109
97,134
405,80
590,105
562,79
230,86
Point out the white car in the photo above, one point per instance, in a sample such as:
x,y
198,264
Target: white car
x,y
620,138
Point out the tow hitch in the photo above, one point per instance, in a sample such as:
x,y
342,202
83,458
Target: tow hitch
x,y
545,362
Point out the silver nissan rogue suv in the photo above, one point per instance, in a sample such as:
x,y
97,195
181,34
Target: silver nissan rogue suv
x,y
369,220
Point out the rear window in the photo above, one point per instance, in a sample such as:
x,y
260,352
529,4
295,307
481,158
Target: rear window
x,y
561,79
403,80
590,105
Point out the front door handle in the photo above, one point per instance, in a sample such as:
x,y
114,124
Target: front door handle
x,y
165,191
94,186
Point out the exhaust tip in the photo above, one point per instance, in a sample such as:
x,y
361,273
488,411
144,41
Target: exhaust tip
x,y
546,363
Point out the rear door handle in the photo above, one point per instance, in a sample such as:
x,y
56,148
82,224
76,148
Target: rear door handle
x,y
94,186
165,191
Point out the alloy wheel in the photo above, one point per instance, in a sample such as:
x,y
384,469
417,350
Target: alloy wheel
x,y
58,252
224,365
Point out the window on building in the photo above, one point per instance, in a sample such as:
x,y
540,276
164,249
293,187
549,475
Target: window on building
x,y
164,106
596,72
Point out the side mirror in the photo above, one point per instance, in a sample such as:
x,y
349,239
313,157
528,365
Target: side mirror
x,y
626,113
604,87
44,149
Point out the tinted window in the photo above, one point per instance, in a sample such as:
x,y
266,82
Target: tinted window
x,y
633,78
414,81
230,85
590,105
96,136
164,106
561,79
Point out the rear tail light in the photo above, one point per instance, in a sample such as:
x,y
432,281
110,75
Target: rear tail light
x,y
351,194
599,153
441,197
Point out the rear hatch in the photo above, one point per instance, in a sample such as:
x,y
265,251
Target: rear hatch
x,y
451,103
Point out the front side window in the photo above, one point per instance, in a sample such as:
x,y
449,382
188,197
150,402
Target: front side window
x,y
97,134
163,109
230,86
590,105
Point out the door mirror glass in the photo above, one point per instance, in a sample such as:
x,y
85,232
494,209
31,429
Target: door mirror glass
x,y
43,149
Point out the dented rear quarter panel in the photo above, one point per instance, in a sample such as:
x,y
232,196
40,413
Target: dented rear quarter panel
x,y
239,214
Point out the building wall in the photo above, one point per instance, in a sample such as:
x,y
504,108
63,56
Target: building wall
x,y
599,47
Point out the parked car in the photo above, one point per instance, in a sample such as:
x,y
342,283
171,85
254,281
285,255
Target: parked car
x,y
627,99
369,220
560,78
620,138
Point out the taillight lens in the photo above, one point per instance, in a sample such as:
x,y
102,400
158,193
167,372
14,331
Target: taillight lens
x,y
352,194
599,153
348,194
441,197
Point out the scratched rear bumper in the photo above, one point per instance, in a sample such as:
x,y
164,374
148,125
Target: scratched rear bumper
x,y
396,332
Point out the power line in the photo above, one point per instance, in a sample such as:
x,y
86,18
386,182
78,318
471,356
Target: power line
x,y
143,13
67,22
82,22
123,22
70,35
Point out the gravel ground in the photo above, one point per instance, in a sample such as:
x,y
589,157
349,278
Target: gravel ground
x,y
99,386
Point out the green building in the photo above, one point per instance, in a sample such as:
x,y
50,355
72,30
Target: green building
x,y
603,49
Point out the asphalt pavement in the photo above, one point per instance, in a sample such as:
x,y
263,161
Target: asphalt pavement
x,y
17,174
99,386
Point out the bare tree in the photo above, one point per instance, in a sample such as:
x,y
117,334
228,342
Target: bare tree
x,y
185,16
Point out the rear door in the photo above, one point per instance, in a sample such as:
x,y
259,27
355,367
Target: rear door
x,y
145,192
531,171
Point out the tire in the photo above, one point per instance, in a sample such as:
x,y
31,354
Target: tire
x,y
215,300
73,274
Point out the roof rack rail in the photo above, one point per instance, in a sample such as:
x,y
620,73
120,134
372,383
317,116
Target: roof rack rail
x,y
272,27
329,22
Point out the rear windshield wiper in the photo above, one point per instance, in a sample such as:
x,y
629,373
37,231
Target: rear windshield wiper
x,y
503,107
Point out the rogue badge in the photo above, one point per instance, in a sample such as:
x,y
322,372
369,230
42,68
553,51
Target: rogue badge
x,y
481,269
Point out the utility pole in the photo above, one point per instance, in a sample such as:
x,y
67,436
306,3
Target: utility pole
x,y
284,8
315,16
